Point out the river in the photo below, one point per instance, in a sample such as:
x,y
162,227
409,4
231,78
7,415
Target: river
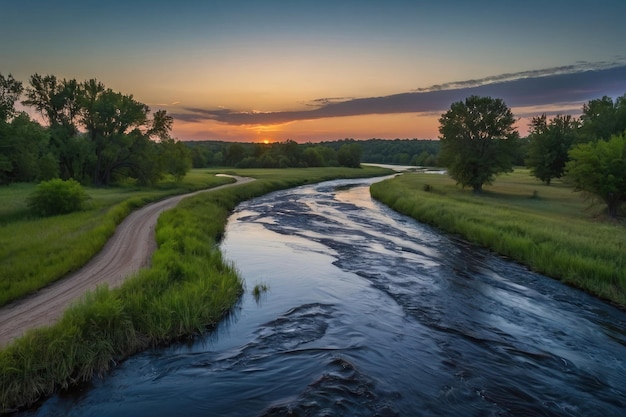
x,y
369,313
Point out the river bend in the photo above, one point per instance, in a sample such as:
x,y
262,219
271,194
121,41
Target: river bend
x,y
369,313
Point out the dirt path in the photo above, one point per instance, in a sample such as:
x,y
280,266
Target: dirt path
x,y
128,250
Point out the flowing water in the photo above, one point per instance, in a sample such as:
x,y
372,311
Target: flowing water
x,y
368,313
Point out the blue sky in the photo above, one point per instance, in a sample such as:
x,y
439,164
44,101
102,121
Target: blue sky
x,y
273,70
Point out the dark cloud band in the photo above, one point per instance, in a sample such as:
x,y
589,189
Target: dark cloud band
x,y
571,84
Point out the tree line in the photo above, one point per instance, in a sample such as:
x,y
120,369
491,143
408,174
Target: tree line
x,y
287,154
347,152
98,136
93,135
479,141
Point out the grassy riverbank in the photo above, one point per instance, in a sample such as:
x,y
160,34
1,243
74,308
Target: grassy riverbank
x,y
37,251
188,289
549,228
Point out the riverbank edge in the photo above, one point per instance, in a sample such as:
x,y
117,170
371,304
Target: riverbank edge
x,y
185,292
415,204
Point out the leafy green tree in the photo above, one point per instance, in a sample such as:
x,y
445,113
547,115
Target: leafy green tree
x,y
328,155
549,145
108,117
201,157
58,101
291,152
161,125
23,143
603,118
349,155
599,169
10,91
312,157
478,140
234,153
176,158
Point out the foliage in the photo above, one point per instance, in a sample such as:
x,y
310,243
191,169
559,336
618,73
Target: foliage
x,y
549,144
58,101
118,139
603,118
600,169
399,151
57,197
551,234
259,155
477,140
349,155
25,155
175,158
10,91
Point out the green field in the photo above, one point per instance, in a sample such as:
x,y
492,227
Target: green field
x,y
37,251
551,229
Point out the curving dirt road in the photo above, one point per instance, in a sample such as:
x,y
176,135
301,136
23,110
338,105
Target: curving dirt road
x,y
128,250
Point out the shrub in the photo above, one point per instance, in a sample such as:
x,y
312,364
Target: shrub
x,y
57,197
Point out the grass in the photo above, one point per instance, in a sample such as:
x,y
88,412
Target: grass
x,y
186,291
549,228
258,290
37,251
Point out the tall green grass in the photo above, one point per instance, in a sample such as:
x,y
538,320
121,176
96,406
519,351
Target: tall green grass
x,y
187,289
548,228
37,251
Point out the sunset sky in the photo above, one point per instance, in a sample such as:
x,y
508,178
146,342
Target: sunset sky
x,y
323,70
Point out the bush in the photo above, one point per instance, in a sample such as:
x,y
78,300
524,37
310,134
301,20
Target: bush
x,y
57,197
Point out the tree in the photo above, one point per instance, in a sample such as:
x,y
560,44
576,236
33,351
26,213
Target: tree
x,y
10,91
23,144
549,145
58,101
109,118
349,155
599,168
176,158
161,125
603,118
234,153
478,140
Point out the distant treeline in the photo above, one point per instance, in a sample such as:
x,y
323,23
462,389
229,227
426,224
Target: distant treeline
x,y
345,152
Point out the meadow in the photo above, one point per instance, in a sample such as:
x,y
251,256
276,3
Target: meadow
x,y
36,251
551,229
187,290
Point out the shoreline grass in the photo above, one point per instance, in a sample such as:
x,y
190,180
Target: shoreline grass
x,y
550,229
187,290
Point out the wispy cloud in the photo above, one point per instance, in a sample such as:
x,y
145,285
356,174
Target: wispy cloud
x,y
580,66
546,87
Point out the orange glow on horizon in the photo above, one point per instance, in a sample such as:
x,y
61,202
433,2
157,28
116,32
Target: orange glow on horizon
x,y
380,126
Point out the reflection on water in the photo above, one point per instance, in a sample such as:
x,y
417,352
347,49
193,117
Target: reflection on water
x,y
369,313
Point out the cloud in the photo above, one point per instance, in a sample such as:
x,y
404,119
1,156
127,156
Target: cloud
x,y
580,66
576,83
